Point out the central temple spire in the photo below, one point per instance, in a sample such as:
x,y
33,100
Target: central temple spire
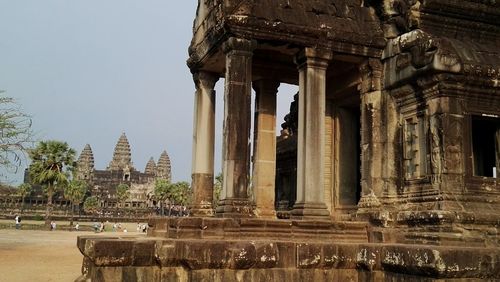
x,y
122,157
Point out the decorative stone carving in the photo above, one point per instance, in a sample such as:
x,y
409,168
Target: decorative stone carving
x,y
436,148
371,72
453,128
403,15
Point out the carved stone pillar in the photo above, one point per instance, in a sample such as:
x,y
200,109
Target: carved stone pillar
x,y
237,113
372,134
312,64
264,166
203,144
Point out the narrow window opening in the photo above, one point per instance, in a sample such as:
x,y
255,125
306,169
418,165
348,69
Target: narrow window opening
x,y
486,146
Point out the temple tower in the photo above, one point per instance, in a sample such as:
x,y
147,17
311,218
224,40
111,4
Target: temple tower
x,y
150,167
122,158
85,163
163,167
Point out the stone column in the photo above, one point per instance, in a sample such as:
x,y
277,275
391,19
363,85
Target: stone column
x,y
203,144
236,140
372,135
312,64
264,157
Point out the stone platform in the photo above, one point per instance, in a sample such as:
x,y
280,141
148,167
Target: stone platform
x,y
212,249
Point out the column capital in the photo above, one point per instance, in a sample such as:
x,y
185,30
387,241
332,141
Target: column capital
x,y
205,79
371,75
235,44
313,57
266,86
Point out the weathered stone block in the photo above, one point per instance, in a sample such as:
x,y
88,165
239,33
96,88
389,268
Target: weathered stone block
x,y
309,255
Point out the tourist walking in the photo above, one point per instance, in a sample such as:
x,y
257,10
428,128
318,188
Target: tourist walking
x,y
18,221
77,226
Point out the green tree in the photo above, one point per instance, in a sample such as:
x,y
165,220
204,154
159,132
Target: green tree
x,y
91,204
122,193
161,192
23,191
51,164
15,134
181,193
75,192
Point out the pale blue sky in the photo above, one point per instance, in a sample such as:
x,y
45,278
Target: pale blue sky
x,y
89,70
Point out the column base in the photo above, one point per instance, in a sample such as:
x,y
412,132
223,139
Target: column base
x,y
310,211
203,194
234,208
203,209
265,213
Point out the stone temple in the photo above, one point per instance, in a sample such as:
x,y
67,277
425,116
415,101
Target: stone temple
x,y
387,166
103,183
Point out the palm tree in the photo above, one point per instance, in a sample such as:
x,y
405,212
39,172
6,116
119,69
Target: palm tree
x,y
51,163
23,190
75,192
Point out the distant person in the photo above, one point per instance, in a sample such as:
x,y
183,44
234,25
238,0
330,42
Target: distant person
x,y
53,225
101,229
125,230
18,221
144,228
77,226
138,227
96,227
114,227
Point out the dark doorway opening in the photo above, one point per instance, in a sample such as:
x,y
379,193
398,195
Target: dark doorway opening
x,y
485,145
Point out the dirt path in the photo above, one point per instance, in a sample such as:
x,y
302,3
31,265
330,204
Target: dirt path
x,y
27,255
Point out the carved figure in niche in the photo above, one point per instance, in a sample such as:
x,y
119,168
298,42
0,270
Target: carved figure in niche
x,y
436,155
453,161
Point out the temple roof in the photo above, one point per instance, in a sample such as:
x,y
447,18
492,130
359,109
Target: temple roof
x,y
343,26
163,166
86,158
122,157
150,167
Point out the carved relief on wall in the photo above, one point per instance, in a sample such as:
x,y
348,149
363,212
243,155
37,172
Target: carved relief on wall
x,y
453,147
401,15
436,148
415,146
